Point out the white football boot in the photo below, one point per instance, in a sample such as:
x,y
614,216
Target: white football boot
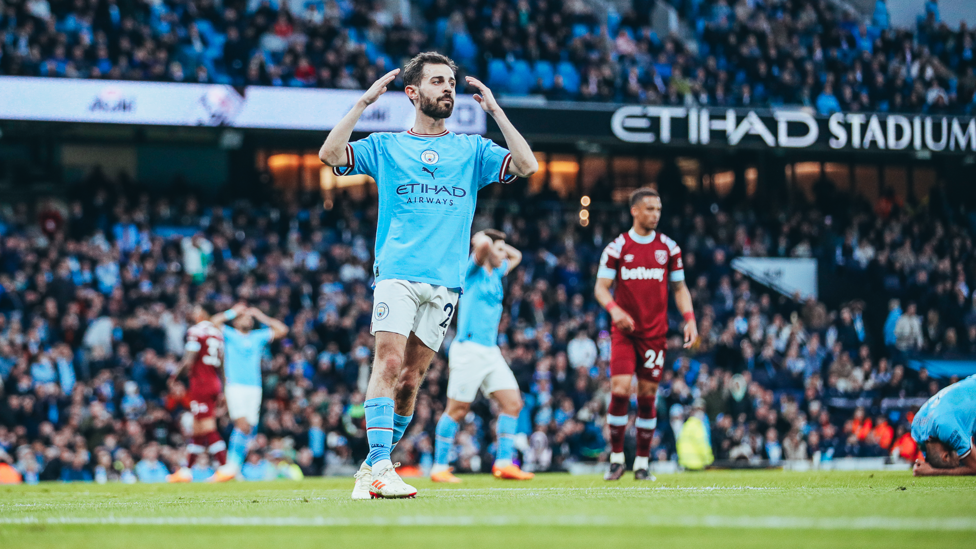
x,y
364,477
388,484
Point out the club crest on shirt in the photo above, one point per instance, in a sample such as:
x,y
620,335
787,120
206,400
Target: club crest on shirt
x,y
382,311
429,157
661,256
628,258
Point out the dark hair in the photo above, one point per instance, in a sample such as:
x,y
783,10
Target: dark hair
x,y
641,194
494,234
413,73
933,454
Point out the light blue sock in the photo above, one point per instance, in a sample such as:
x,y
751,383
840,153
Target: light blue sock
x,y
505,431
444,439
400,424
237,452
379,428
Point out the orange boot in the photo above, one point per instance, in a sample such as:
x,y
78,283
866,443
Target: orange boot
x,y
446,475
511,472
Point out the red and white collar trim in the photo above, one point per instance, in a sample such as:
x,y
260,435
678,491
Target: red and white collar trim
x,y
415,134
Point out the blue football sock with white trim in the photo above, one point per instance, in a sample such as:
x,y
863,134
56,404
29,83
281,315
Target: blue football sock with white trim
x,y
379,428
505,431
444,439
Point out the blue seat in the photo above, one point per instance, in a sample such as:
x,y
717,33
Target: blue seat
x,y
498,75
545,72
521,79
465,50
571,77
580,29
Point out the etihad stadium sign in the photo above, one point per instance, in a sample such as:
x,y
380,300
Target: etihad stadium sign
x,y
793,129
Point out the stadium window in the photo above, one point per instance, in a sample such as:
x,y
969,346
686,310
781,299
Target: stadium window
x,y
650,169
805,176
722,182
690,169
866,182
626,172
840,175
593,175
923,179
896,179
563,169
284,170
357,186
752,181
538,180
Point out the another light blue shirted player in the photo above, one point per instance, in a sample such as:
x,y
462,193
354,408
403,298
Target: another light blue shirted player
x,y
944,428
476,362
244,348
428,179
480,308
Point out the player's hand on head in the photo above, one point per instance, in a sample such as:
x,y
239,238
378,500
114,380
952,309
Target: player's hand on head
x,y
240,308
484,97
379,87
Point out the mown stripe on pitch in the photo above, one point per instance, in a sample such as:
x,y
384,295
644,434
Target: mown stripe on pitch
x,y
708,521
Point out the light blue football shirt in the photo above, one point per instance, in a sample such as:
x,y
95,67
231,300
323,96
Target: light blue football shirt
x,y
949,417
480,306
428,186
242,354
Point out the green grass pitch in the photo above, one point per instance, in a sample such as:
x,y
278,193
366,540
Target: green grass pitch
x,y
703,510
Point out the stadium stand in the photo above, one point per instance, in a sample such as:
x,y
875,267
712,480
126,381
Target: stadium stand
x,y
93,298
745,53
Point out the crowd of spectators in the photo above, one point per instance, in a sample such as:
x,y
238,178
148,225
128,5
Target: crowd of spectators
x,y
94,294
745,52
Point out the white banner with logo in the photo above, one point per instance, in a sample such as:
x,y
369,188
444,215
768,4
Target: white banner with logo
x,y
154,103
787,276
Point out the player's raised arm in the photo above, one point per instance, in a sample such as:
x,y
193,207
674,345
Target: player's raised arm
x,y
333,151
220,319
523,163
278,328
514,256
682,298
481,247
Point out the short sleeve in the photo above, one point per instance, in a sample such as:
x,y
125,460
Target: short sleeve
x,y
472,266
950,434
361,157
494,164
610,260
264,335
676,266
503,268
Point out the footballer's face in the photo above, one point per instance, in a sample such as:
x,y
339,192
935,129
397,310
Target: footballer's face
x,y
435,94
647,212
243,323
497,254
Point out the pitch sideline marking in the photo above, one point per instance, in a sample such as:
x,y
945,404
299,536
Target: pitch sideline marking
x,y
708,521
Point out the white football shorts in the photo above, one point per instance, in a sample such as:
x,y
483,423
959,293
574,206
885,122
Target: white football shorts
x,y
243,401
474,366
402,307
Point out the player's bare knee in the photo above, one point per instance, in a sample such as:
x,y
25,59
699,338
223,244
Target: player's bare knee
x,y
457,410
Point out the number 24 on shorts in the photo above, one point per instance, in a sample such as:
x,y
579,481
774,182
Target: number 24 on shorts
x,y
654,358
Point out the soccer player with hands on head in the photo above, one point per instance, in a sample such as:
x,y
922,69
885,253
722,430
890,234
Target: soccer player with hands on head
x,y
476,361
641,263
427,180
